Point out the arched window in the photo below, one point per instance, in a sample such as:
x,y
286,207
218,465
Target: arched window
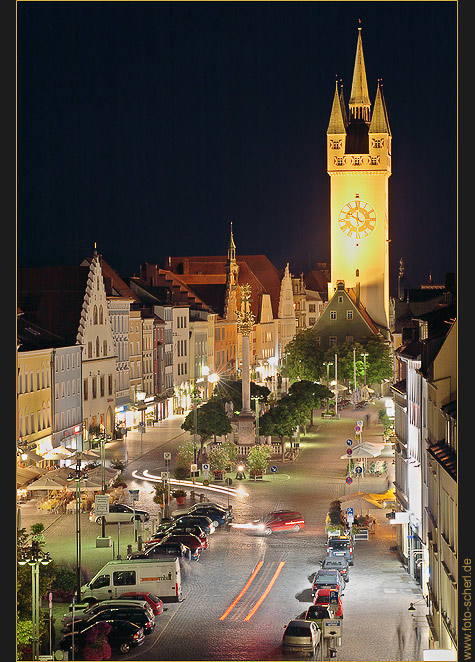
x,y
104,348
94,315
97,346
101,315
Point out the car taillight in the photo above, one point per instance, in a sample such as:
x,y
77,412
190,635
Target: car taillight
x,y
138,634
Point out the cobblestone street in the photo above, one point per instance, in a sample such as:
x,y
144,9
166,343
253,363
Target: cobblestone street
x,y
377,624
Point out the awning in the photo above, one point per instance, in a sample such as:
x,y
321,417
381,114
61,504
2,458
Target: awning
x,y
31,455
25,475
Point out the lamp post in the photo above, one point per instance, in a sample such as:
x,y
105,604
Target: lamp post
x,y
34,559
256,399
77,478
195,400
364,355
328,364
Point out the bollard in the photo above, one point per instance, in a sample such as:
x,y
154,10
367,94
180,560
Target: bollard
x,y
129,550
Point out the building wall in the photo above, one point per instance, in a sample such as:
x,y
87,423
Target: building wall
x,y
67,397
34,400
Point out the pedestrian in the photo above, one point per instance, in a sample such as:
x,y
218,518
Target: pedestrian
x,y
367,420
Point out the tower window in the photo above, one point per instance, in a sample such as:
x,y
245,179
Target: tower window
x,y
357,160
336,144
339,160
377,143
375,160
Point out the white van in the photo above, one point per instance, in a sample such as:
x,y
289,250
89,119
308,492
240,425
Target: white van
x,y
159,576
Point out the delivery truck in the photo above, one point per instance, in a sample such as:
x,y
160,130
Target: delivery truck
x,y
159,576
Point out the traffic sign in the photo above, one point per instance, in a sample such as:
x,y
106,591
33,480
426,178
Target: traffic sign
x,y
134,494
167,456
273,469
101,504
357,428
333,597
205,467
349,451
349,442
194,467
350,515
349,480
358,470
165,475
228,481
360,423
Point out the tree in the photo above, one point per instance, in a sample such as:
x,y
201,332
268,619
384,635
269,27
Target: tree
x,y
232,390
218,458
280,420
303,357
258,459
211,421
309,394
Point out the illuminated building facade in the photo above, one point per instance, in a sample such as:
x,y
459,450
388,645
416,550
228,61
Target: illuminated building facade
x,y
359,165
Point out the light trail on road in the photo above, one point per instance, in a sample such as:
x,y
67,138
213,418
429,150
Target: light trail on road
x,y
231,491
248,583
266,592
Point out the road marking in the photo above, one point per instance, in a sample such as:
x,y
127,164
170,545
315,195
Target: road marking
x,y
266,592
248,583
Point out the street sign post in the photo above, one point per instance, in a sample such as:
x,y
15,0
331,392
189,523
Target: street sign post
x,y
350,516
205,470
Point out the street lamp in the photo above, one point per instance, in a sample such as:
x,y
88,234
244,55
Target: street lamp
x,y
328,364
77,478
34,559
195,399
256,398
364,355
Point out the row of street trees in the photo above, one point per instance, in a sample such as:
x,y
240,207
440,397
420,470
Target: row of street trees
x,y
304,359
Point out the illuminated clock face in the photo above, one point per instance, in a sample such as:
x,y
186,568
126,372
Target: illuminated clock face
x,y
357,219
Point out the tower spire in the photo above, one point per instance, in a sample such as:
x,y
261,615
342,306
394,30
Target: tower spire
x,y
337,123
359,104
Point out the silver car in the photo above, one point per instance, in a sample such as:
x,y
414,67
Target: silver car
x,y
300,635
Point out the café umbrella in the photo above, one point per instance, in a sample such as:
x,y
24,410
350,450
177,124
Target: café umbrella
x,y
48,482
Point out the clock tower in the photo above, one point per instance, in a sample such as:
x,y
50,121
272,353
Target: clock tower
x,y
359,165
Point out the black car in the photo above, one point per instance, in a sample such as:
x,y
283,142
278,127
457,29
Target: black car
x,y
218,515
341,546
122,636
339,563
328,579
193,518
137,615
164,548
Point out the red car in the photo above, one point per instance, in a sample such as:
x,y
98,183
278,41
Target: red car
x,y
279,520
187,539
154,601
322,597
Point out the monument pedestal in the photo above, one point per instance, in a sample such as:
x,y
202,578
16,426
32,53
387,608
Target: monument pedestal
x,y
246,433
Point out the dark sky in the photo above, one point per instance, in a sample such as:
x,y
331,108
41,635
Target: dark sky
x,y
147,126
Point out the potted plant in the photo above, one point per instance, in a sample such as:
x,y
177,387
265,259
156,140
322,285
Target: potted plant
x,y
218,460
179,495
257,460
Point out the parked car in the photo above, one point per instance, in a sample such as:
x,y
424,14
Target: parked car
x,y
123,636
317,613
341,546
202,520
339,563
164,548
138,615
228,508
179,529
327,579
322,598
84,614
217,514
278,520
187,539
300,635
156,604
120,512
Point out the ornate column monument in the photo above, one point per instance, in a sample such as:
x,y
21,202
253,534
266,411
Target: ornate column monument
x,y
245,323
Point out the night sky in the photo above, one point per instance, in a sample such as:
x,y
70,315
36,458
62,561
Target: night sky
x,y
147,126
